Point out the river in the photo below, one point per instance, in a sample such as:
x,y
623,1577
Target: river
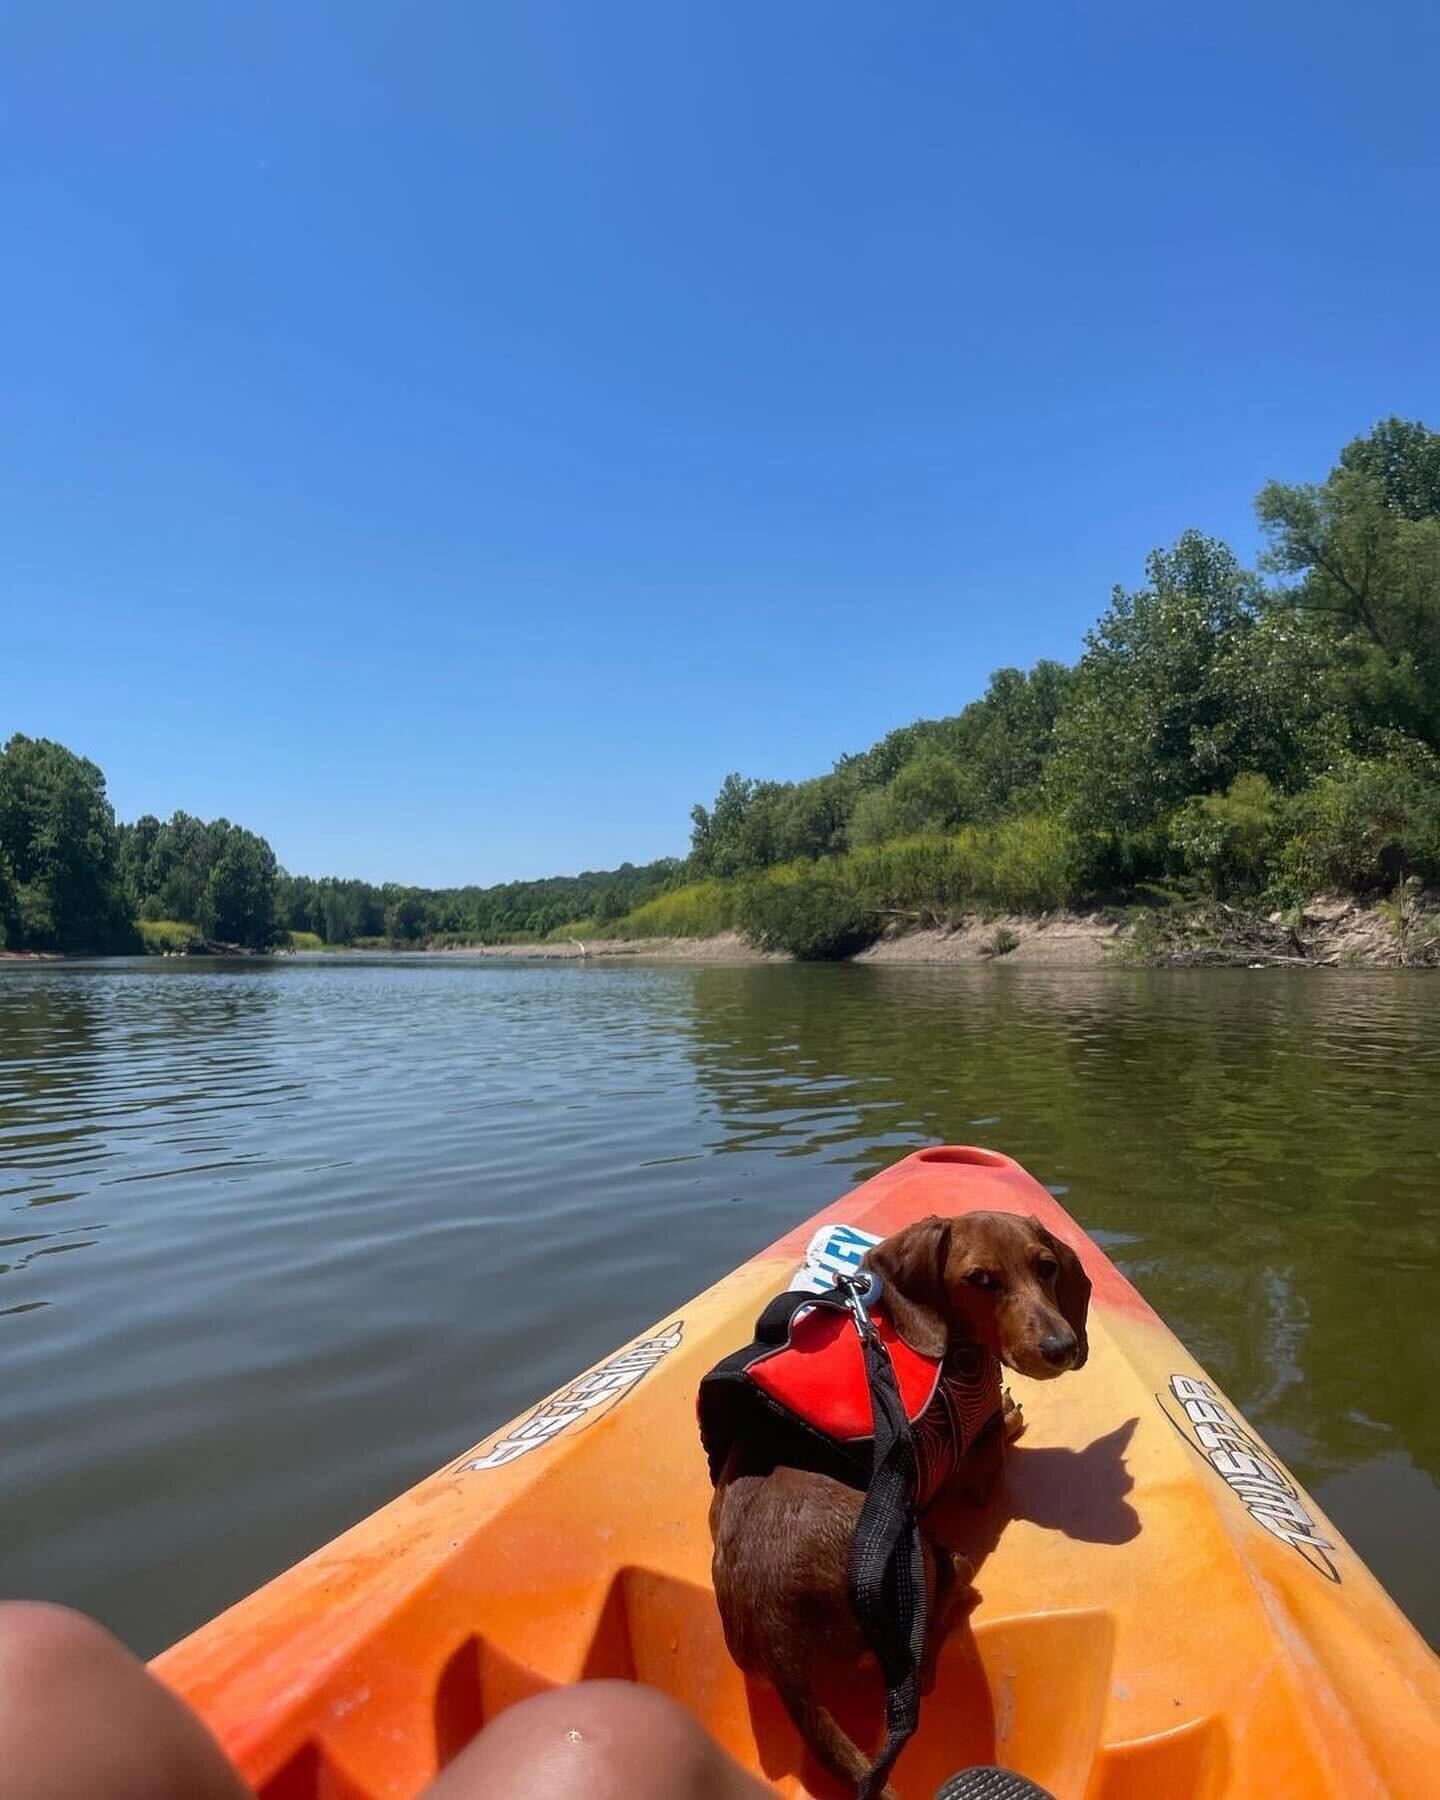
x,y
276,1239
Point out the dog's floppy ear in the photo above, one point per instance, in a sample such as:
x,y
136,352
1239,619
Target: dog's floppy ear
x,y
1072,1291
912,1266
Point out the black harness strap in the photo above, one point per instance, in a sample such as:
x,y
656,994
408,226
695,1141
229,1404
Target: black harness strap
x,y
887,1563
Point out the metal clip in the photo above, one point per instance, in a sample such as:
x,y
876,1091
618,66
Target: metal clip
x,y
861,1292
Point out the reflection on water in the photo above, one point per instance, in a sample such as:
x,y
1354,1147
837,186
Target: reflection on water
x,y
276,1240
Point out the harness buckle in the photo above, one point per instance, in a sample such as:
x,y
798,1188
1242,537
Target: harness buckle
x,y
861,1291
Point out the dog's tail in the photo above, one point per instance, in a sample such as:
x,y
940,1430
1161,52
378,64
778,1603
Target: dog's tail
x,y
820,1729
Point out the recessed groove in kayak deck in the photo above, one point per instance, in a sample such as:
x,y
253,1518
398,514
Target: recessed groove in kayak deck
x,y
310,1775
963,1153
476,1683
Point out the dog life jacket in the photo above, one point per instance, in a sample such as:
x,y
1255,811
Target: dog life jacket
x,y
797,1395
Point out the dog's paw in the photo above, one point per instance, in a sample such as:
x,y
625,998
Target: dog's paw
x,y
1012,1415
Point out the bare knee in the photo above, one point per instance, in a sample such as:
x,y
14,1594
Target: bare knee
x,y
618,1713
605,1740
40,1643
80,1715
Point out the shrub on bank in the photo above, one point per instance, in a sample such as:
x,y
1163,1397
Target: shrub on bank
x,y
1366,824
807,910
1227,839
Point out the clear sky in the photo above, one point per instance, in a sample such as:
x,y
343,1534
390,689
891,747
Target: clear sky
x,y
448,437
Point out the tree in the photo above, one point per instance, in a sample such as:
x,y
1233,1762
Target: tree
x,y
58,851
136,848
717,836
1403,457
1363,552
1179,691
238,903
405,916
170,863
297,903
932,793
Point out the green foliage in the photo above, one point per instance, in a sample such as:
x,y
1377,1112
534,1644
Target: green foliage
x,y
756,824
406,917
1363,553
237,905
160,935
1180,690
304,940
1366,824
808,911
1001,742
344,911
1228,838
219,874
930,794
60,887
1403,458
1025,864
1002,941
699,909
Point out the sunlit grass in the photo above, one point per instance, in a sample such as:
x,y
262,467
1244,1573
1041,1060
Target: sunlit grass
x,y
702,909
160,935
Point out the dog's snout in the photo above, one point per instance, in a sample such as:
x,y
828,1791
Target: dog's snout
x,y
1058,1348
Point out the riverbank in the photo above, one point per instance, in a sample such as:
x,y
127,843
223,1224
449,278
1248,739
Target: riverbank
x,y
1330,931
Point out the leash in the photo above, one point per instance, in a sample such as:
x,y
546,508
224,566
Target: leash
x,y
887,1563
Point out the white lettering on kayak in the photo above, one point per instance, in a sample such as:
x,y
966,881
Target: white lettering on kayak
x,y
1246,1467
594,1393
833,1250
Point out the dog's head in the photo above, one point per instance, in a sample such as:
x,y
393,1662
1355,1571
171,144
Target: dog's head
x,y
987,1278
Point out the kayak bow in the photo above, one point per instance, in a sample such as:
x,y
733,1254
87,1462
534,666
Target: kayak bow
x,y
1164,1611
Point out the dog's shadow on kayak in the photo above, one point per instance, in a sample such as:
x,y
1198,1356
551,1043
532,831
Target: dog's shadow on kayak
x,y
1082,1493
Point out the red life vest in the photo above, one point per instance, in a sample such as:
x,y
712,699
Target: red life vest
x,y
798,1395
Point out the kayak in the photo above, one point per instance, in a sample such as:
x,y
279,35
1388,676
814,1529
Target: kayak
x,y
1163,1610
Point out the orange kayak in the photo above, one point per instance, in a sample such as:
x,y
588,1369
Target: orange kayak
x,y
1163,1611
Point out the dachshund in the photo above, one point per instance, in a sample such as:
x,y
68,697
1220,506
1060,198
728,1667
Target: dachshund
x,y
783,1535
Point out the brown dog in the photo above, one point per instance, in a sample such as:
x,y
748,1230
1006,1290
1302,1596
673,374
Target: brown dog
x,y
783,1535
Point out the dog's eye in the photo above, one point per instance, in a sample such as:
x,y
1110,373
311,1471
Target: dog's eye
x,y
1047,1268
981,1278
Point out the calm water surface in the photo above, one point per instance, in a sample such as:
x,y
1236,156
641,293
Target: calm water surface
x,y
276,1240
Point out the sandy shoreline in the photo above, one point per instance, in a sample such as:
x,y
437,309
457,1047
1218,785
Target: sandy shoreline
x,y
1058,940
1064,940
1330,932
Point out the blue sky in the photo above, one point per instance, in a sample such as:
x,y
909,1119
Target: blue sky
x,y
448,438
